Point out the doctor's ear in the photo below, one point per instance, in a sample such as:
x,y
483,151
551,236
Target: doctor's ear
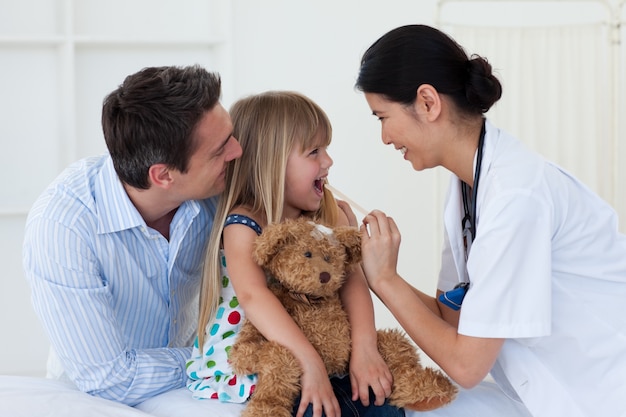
x,y
428,102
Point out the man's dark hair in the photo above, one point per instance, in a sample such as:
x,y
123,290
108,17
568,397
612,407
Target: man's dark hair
x,y
151,117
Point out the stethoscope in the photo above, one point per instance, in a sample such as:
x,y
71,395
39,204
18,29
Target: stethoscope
x,y
454,297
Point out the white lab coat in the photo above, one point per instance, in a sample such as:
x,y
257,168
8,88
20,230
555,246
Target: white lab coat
x,y
548,273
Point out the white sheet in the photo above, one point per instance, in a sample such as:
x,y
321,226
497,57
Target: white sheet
x,y
179,403
40,397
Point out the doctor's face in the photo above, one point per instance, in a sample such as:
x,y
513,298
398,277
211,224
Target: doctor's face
x,y
401,128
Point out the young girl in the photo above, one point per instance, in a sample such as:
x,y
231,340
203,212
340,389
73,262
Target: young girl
x,y
281,175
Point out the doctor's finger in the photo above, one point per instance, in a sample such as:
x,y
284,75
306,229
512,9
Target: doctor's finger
x,y
375,222
364,231
384,223
394,229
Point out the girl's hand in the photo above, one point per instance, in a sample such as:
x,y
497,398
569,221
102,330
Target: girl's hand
x,y
317,391
369,370
380,243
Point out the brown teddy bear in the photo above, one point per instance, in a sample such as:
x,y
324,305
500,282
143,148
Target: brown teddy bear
x,y
306,265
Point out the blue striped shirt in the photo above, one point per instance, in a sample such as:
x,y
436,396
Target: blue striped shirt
x,y
118,301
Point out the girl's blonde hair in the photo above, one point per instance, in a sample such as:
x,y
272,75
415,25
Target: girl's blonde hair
x,y
268,126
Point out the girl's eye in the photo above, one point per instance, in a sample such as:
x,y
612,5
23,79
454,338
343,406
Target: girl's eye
x,y
314,151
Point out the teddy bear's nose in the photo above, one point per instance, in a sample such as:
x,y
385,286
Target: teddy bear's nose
x,y
324,277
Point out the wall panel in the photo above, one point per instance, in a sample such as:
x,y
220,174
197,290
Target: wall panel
x,y
59,60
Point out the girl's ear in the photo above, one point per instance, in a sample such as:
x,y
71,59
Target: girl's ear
x,y
428,102
159,175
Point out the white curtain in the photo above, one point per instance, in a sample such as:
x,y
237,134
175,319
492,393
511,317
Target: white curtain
x,y
557,93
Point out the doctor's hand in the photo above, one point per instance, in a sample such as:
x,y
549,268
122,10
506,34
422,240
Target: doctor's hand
x,y
380,243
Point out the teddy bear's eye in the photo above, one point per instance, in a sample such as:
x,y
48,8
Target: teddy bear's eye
x,y
307,254
327,258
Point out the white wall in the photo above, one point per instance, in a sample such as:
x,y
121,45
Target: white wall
x,y
59,59
305,45
315,47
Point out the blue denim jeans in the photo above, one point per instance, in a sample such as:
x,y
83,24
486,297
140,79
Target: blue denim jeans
x,y
349,408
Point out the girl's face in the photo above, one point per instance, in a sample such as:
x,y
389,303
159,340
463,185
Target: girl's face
x,y
401,127
304,179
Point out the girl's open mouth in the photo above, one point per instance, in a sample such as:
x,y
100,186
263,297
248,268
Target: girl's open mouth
x,y
319,185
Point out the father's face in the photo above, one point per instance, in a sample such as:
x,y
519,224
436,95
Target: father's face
x,y
216,147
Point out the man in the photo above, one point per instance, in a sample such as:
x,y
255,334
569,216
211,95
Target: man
x,y
114,248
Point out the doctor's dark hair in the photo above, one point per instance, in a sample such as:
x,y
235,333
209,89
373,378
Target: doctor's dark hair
x,y
151,118
409,56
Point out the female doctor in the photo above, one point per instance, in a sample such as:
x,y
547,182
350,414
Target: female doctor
x,y
532,287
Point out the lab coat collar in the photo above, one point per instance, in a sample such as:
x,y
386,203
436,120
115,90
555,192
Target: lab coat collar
x,y
453,212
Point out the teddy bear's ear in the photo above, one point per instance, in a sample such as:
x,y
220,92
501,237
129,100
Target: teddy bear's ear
x,y
274,237
350,238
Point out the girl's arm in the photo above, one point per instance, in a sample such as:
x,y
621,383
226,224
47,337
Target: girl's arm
x,y
269,316
367,367
467,360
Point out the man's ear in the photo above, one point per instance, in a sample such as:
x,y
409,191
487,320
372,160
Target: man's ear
x,y
160,175
428,102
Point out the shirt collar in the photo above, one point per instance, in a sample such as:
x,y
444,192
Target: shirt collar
x,y
115,210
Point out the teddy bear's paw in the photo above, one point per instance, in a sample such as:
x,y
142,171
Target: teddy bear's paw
x,y
243,360
428,404
265,410
427,390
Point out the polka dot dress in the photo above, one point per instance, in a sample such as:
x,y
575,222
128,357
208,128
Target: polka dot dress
x,y
208,369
